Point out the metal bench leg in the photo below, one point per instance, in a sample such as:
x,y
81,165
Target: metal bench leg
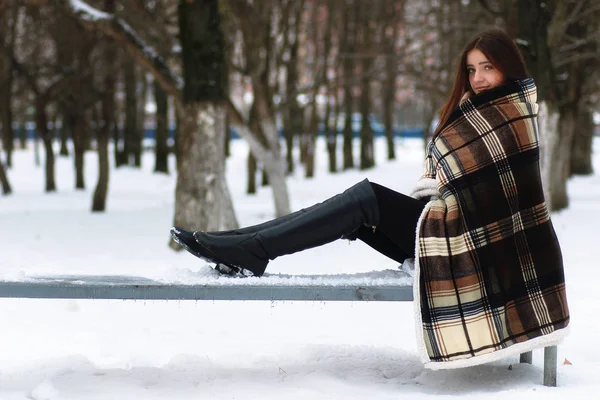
x,y
526,358
550,361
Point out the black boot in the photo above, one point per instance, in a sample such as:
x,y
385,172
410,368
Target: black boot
x,y
322,223
261,226
186,240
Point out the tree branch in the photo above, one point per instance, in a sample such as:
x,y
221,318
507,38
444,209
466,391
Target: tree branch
x,y
119,30
578,57
580,42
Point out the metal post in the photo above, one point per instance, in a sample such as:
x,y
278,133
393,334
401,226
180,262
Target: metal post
x,y
526,358
550,361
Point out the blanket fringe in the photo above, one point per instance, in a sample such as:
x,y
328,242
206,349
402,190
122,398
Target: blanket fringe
x,y
551,339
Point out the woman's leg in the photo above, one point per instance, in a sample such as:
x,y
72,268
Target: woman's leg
x,y
381,243
396,232
351,214
322,223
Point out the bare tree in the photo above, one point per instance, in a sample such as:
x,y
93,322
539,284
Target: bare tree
x,y
292,121
108,118
162,130
347,48
130,129
8,17
561,51
369,47
319,37
581,155
393,15
44,82
332,33
253,21
199,97
6,189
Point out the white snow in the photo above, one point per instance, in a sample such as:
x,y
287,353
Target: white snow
x,y
99,349
87,12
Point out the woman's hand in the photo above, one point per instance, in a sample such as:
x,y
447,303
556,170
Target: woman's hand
x,y
466,96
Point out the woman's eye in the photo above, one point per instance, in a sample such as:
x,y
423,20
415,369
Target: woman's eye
x,y
489,68
470,70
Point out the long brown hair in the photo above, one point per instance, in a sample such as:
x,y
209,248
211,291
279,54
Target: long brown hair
x,y
500,50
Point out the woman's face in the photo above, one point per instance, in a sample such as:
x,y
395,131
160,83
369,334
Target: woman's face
x,y
482,74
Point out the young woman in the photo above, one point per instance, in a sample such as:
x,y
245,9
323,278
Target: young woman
x,y
489,275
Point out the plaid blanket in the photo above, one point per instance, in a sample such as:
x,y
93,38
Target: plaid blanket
x,y
488,263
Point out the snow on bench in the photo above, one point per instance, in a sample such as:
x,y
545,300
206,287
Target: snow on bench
x,y
387,285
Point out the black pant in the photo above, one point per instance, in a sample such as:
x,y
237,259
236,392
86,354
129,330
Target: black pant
x,y
396,232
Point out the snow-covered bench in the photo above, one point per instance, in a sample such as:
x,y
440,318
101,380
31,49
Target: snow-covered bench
x,y
389,285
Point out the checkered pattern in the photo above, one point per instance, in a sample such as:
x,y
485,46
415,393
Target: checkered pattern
x,y
490,266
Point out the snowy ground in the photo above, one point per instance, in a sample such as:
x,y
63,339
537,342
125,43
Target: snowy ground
x,y
91,349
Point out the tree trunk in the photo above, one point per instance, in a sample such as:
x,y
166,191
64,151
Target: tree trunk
x,y
252,163
227,139
348,46
118,151
264,180
199,203
581,158
251,174
537,55
118,133
389,94
311,137
42,129
548,138
289,141
79,133
55,132
100,194
367,153
36,147
22,135
275,169
367,41
331,131
393,14
197,195
562,161
131,114
6,189
569,113
292,114
162,130
7,24
8,135
228,218
348,131
322,44
273,164
64,139
108,118
141,119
